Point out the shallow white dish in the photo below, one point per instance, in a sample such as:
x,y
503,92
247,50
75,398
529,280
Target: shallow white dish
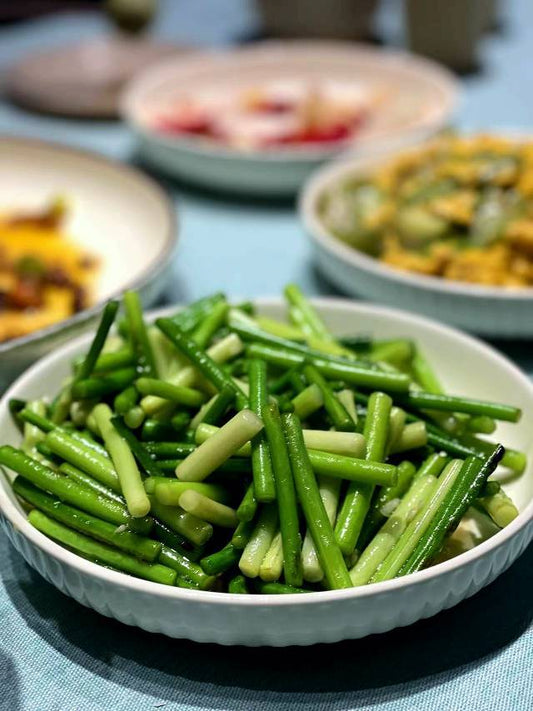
x,y
115,212
420,98
466,365
488,311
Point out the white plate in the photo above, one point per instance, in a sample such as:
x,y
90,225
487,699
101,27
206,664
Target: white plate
x,y
116,212
488,311
419,98
466,365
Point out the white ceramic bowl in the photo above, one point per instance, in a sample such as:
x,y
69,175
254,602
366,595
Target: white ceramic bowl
x,y
116,212
419,98
466,366
488,311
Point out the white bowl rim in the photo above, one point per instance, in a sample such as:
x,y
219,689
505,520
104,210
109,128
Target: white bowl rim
x,y
135,88
326,177
171,235
22,526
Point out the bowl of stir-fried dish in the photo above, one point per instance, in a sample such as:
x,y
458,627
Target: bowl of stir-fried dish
x,y
45,277
445,228
274,472
75,229
259,119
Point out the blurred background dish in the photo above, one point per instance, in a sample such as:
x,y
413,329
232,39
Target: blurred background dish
x,y
45,277
197,118
443,230
85,79
120,217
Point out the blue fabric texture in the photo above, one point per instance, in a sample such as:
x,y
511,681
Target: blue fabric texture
x,y
58,656
55,655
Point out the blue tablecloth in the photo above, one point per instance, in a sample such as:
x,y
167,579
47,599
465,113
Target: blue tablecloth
x,y
57,656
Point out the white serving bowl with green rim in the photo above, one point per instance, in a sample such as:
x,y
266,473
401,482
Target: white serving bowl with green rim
x,y
465,365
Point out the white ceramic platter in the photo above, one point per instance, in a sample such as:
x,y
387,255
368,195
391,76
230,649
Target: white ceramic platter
x,y
115,212
417,98
488,311
466,366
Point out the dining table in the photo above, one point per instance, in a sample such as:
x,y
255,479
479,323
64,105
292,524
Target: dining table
x,y
56,655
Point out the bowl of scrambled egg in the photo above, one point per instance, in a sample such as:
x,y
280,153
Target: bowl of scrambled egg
x,y
444,228
75,230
